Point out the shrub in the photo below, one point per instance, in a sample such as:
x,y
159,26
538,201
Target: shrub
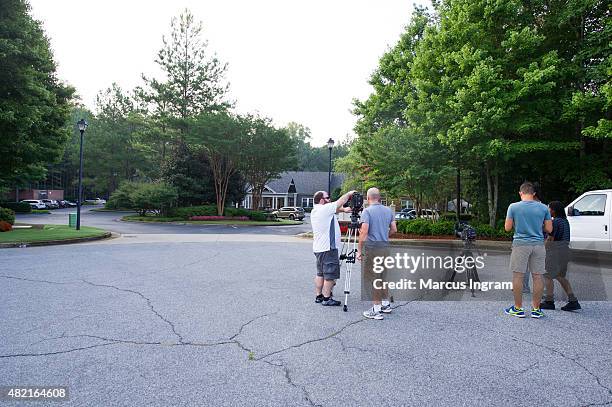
x,y
7,215
258,216
18,207
417,227
157,196
216,217
484,230
443,228
5,226
143,197
231,211
189,211
501,232
121,197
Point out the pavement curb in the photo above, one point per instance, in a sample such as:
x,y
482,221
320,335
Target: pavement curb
x,y
106,235
179,223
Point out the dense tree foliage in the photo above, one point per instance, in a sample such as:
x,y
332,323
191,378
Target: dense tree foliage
x,y
34,104
501,91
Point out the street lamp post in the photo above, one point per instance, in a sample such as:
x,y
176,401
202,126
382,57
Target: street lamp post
x,y
82,127
330,145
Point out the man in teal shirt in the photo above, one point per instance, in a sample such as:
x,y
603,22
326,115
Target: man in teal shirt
x,y
530,219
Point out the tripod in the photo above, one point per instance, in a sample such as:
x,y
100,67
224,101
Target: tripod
x,y
349,254
468,235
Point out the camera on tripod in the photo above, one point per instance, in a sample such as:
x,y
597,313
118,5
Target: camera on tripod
x,y
355,203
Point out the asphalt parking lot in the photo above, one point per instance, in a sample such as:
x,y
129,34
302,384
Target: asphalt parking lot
x,y
230,320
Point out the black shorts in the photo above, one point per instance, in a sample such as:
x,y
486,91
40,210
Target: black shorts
x,y
328,264
557,258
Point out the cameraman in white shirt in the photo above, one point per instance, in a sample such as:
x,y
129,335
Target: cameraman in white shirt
x,y
326,244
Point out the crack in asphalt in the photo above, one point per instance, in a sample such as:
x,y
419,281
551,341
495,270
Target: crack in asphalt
x,y
331,335
249,322
345,348
16,355
564,356
149,303
233,341
38,281
307,396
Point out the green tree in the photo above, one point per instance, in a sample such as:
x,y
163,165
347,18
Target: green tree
x,y
270,152
34,104
220,136
114,150
194,78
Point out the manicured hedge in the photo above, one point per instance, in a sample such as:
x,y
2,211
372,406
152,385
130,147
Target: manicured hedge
x,y
188,212
7,215
18,207
216,217
426,227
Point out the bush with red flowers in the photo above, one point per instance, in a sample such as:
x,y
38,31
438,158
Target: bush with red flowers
x,y
215,217
5,226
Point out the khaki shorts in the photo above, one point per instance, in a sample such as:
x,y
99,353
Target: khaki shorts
x,y
532,256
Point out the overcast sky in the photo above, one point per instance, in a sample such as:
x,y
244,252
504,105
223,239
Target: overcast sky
x,y
301,61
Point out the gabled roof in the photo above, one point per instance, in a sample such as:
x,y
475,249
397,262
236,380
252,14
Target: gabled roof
x,y
306,183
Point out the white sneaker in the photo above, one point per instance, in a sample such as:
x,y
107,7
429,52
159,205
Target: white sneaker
x,y
372,314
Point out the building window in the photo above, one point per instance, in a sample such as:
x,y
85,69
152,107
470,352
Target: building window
x,y
307,202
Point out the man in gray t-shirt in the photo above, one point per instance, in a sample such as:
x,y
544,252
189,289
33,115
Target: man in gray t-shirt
x,y
377,223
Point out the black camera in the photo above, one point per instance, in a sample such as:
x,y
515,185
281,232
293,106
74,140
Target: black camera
x,y
355,203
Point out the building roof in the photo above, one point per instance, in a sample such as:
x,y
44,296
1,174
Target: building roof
x,y
306,183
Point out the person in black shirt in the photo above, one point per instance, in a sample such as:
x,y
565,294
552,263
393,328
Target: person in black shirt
x,y
557,257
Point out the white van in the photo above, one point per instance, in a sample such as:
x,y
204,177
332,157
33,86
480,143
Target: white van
x,y
590,217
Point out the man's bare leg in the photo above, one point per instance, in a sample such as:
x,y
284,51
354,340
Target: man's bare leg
x,y
550,288
318,285
538,289
517,289
328,285
567,288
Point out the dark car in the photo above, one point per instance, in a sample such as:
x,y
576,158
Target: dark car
x,y
51,203
290,212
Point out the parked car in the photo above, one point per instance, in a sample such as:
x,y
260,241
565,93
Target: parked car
x,y
290,212
35,203
97,201
430,214
50,203
406,214
590,219
66,204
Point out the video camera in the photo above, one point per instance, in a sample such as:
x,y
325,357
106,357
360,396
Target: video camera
x,y
355,203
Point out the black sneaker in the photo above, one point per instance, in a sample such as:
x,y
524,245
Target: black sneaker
x,y
319,298
330,302
547,305
571,306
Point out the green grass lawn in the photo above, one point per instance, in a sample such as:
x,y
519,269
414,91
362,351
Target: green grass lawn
x,y
280,222
48,232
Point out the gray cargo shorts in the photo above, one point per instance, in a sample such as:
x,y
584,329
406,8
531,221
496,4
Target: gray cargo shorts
x,y
532,256
328,264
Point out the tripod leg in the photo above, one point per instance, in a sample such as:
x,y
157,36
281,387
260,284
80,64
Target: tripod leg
x,y
347,277
347,286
